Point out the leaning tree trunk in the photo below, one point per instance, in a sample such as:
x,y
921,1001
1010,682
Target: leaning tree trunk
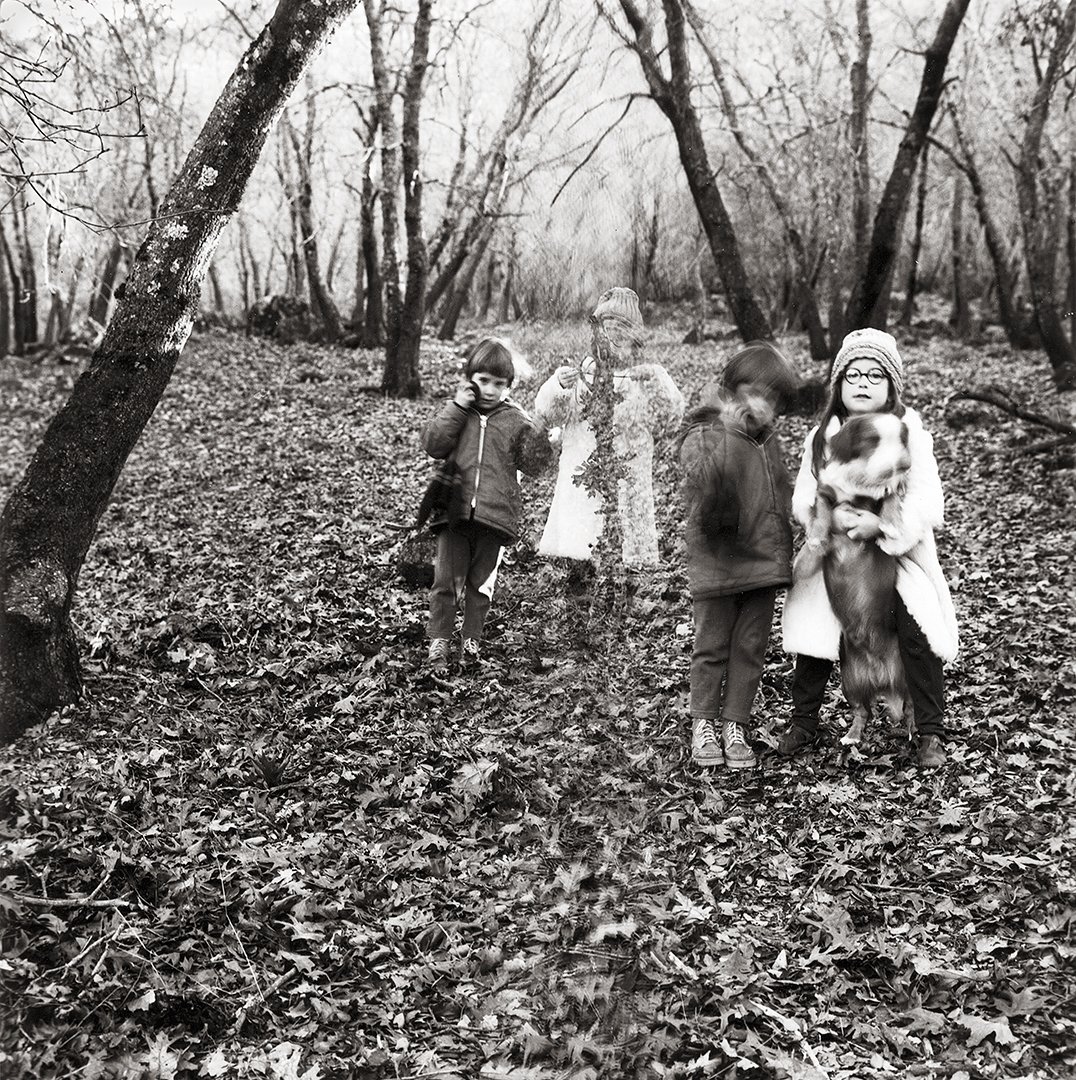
x,y
867,304
672,94
49,522
1041,241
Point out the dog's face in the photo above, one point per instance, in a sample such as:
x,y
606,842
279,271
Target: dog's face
x,y
871,451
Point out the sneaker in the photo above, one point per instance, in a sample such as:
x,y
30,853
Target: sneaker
x,y
438,653
470,652
931,752
796,739
738,754
705,749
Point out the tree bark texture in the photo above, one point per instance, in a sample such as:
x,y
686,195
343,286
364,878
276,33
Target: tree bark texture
x,y
1040,215
18,325
5,309
672,94
866,306
960,315
404,311
50,519
912,281
403,379
861,162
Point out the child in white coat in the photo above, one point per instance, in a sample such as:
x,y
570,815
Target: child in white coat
x,y
648,405
868,377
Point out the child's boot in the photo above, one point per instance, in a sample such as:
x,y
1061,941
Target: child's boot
x,y
469,654
705,749
738,753
438,654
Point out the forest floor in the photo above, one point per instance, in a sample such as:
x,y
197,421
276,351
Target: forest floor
x,y
267,843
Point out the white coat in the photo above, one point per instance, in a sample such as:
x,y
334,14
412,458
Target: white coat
x,y
809,625
649,405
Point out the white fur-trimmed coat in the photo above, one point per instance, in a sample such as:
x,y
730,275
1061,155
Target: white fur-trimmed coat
x,y
809,625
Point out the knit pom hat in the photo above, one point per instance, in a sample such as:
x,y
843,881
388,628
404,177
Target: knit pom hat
x,y
870,344
621,305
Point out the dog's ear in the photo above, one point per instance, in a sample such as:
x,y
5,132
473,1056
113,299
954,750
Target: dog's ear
x,y
857,439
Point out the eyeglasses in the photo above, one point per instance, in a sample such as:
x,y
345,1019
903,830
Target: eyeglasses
x,y
874,376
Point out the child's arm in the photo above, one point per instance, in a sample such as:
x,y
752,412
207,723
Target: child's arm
x,y
709,485
441,434
555,404
533,451
664,402
805,492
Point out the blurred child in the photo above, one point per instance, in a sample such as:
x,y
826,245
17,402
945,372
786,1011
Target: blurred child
x,y
489,437
737,498
648,404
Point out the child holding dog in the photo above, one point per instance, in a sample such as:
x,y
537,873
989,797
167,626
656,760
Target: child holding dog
x,y
489,437
737,497
867,377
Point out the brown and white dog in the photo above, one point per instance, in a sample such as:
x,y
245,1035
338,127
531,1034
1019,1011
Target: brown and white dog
x,y
866,470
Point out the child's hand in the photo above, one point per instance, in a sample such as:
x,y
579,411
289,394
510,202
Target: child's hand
x,y
567,376
466,395
858,524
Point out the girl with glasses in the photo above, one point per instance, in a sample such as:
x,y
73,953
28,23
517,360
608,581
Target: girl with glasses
x,y
868,377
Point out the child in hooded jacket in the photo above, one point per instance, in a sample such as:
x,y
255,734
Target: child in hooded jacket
x,y
868,377
739,544
490,439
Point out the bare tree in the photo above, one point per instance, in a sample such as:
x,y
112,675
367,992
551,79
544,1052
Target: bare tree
x,y
861,160
475,206
912,281
1002,257
869,302
808,303
1039,192
303,156
50,519
960,314
404,312
672,94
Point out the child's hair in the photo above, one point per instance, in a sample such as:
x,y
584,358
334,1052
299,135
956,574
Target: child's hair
x,y
763,364
491,356
835,408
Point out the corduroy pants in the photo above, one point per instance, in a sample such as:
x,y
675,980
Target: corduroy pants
x,y
731,634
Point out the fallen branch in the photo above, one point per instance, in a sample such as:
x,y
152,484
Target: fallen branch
x,y
1002,399
69,902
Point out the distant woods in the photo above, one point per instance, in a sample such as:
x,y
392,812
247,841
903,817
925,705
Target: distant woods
x,y
445,163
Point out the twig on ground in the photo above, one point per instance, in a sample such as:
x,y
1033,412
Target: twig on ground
x,y
69,902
